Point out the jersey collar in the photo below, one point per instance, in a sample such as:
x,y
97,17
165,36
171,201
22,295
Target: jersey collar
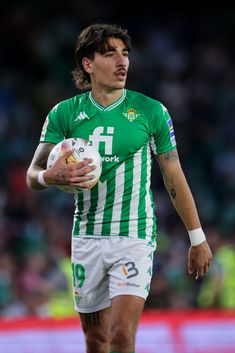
x,y
109,107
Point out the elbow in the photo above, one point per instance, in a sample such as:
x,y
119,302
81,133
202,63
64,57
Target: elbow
x,y
29,182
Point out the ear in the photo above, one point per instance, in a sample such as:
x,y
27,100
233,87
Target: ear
x,y
86,63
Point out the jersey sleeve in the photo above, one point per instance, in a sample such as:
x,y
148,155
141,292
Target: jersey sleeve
x,y
163,136
53,130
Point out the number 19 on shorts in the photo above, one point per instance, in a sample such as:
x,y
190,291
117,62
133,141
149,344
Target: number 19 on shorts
x,y
78,275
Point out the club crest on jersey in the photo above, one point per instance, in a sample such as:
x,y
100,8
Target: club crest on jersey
x,y
131,114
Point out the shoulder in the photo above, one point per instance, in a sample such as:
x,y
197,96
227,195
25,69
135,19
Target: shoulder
x,y
145,101
70,104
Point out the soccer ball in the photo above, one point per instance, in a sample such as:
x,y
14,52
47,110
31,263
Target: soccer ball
x,y
83,149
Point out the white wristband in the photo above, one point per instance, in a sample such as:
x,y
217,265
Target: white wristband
x,y
41,180
196,236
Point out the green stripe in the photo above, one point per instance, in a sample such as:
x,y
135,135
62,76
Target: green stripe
x,y
108,209
125,214
78,211
154,229
142,205
154,219
91,214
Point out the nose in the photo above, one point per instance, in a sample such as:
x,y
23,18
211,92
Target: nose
x,y
122,61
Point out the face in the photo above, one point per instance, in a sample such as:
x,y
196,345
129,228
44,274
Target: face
x,y
109,70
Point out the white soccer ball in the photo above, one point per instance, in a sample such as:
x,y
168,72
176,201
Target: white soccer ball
x,y
83,149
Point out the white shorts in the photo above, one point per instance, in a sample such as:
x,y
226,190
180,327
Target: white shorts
x,y
106,267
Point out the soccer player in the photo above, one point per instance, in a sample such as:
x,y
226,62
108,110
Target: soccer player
x,y
114,230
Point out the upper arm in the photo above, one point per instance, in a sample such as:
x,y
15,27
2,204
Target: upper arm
x,y
41,155
169,164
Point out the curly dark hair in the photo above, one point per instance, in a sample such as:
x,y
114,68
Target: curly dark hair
x,y
94,38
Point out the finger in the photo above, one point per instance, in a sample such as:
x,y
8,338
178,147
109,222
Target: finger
x,y
84,162
89,160
190,269
85,170
76,181
199,273
68,153
190,265
67,157
210,261
85,185
206,268
197,276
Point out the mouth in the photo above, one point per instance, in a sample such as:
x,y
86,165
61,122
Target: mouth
x,y
121,74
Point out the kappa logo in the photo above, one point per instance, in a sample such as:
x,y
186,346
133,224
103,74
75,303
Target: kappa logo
x,y
83,115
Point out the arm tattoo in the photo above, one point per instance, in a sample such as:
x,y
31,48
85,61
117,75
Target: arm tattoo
x,y
171,155
89,320
42,155
160,166
58,174
173,193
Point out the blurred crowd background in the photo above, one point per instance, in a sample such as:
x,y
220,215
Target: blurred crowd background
x,y
185,60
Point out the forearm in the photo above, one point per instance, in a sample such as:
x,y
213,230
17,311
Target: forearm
x,y
199,256
182,200
39,163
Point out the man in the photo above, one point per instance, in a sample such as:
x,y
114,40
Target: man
x,y
114,231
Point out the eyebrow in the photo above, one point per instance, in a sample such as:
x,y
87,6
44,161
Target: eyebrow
x,y
114,49
107,47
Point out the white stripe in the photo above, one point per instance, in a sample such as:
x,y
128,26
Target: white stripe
x,y
86,208
94,102
148,203
99,215
74,217
112,106
153,145
133,224
119,191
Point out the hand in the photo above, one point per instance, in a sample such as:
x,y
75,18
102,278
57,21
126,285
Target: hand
x,y
73,173
199,259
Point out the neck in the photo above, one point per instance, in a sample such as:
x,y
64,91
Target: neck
x,y
106,98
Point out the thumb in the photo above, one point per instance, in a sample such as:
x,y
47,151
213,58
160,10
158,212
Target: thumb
x,y
190,269
68,153
68,156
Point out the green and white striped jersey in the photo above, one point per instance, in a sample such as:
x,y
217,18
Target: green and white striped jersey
x,y
125,133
